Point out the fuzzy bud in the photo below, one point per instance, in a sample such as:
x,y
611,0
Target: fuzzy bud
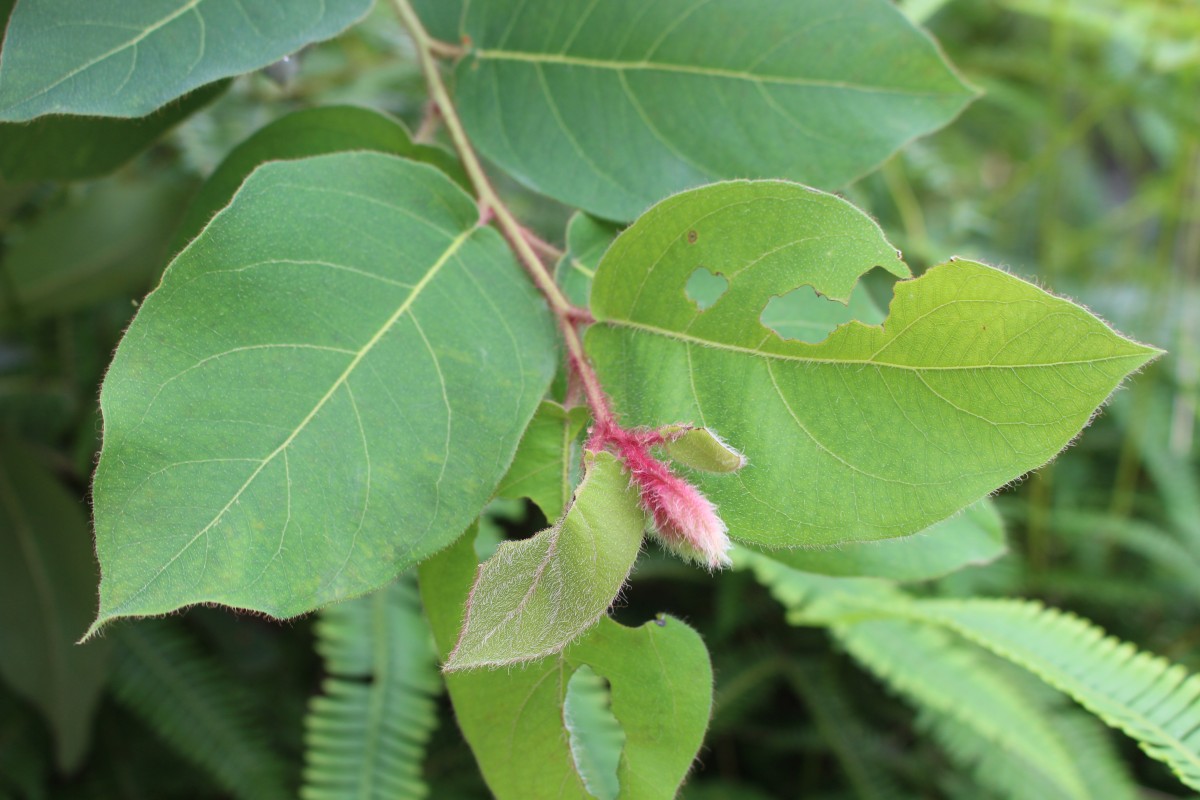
x,y
685,521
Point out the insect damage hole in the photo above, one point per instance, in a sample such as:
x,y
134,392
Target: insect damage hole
x,y
806,315
705,287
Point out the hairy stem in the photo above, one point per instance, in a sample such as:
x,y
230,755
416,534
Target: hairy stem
x,y
568,316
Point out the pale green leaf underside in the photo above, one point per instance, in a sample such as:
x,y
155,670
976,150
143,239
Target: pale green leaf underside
x,y
975,378
365,734
535,596
125,58
294,416
512,717
610,106
973,537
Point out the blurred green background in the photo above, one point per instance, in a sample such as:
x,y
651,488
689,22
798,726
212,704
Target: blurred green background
x,y
1078,168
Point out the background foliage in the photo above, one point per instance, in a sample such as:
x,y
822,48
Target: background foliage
x,y
1078,167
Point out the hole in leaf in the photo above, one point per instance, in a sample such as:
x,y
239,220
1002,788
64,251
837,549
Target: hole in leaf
x,y
805,315
705,287
596,737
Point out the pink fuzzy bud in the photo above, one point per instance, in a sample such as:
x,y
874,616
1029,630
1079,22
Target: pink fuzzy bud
x,y
685,521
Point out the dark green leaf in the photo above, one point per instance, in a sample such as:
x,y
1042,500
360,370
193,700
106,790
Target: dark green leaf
x,y
309,132
65,148
46,574
125,58
612,106
326,388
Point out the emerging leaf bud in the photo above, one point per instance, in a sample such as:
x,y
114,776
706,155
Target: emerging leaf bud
x,y
685,521
701,448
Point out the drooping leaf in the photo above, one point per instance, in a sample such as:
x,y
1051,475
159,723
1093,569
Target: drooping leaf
x,y
612,106
976,536
660,681
974,378
107,239
325,389
185,695
365,735
587,239
304,133
125,58
544,465
66,148
46,574
535,596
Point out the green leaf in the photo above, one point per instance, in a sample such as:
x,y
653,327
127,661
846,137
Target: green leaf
x,y
587,239
661,688
975,536
325,389
612,106
185,695
108,239
535,596
441,18
125,58
595,735
365,735
546,458
304,133
975,378
46,574
64,148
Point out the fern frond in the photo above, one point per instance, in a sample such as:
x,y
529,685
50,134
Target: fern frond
x,y
1153,701
162,676
365,736
978,718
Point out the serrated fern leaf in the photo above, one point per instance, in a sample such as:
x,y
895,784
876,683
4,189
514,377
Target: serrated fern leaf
x,y
365,735
163,677
1153,701
979,718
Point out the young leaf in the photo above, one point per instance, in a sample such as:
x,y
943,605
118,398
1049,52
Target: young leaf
x,y
46,570
125,58
700,448
587,239
365,735
66,148
975,377
326,388
661,688
611,106
542,468
537,595
308,132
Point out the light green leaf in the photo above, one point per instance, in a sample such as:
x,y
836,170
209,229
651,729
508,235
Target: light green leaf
x,y
975,536
46,574
308,132
535,596
65,148
365,734
975,378
612,106
125,58
660,681
595,735
108,239
587,239
546,458
325,389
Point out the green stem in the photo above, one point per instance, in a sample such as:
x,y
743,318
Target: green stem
x,y
568,316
